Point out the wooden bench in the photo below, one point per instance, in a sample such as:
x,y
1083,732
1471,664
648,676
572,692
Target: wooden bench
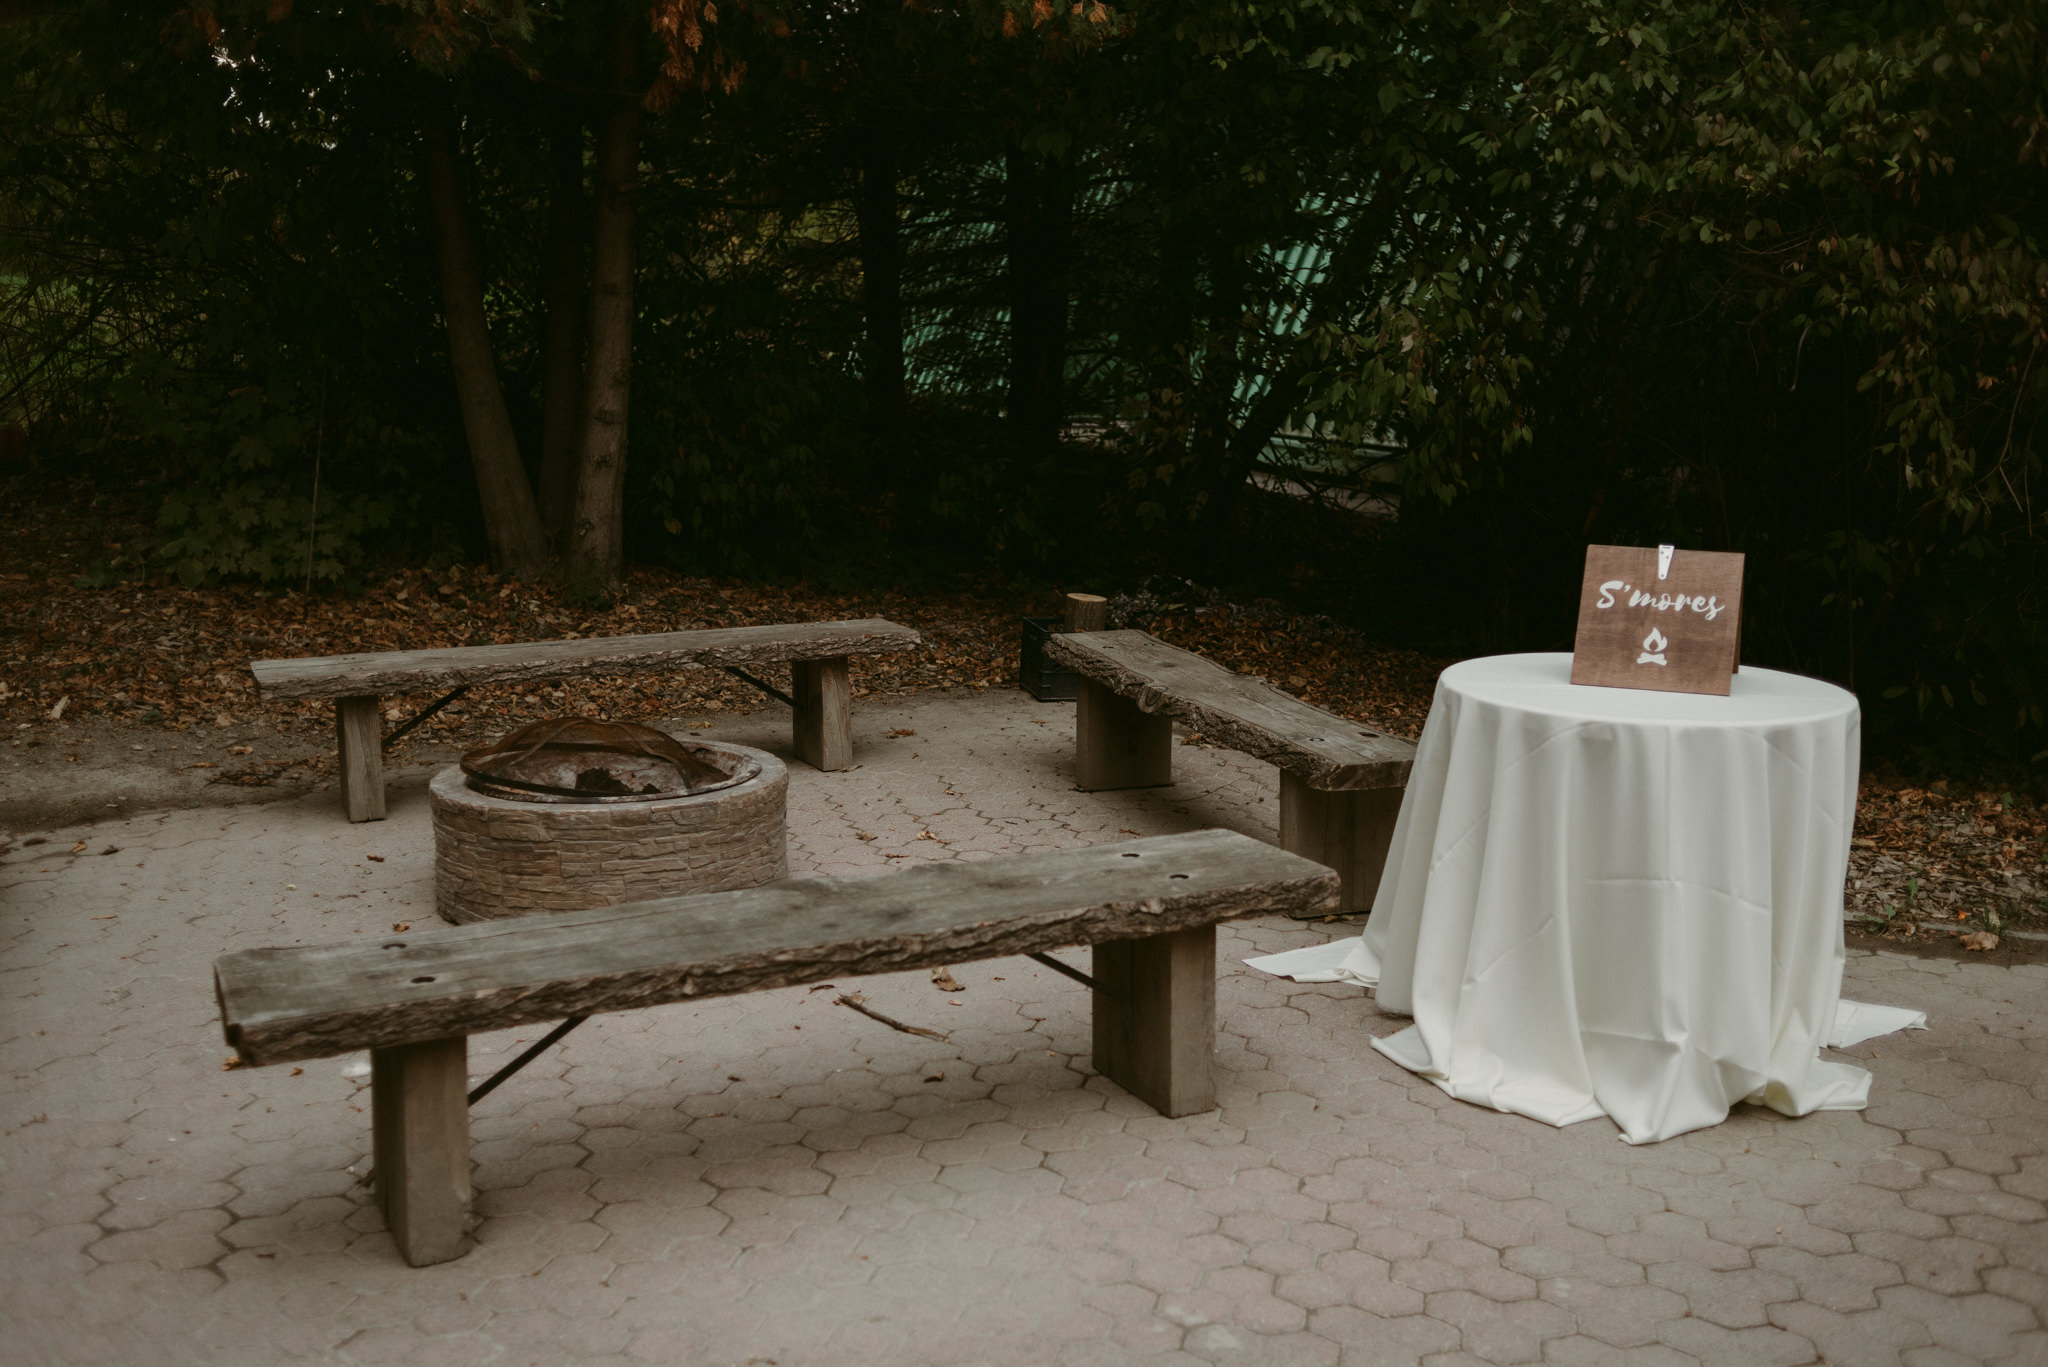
x,y
816,651
1340,782
1149,907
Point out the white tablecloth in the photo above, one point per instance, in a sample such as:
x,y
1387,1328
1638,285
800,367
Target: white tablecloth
x,y
1606,901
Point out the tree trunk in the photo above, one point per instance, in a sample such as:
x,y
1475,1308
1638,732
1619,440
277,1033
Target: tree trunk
x,y
1233,465
518,545
595,553
1169,339
881,267
1349,278
1039,211
562,359
1214,474
1216,391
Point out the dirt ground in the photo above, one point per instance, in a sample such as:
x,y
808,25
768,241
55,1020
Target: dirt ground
x,y
121,691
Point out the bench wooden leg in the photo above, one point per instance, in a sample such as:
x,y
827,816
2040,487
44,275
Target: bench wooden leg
x,y
1155,1019
1349,832
419,1120
1116,745
359,726
824,712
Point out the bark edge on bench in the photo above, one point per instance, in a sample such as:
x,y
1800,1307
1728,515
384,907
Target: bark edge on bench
x,y
1340,781
1148,906
821,696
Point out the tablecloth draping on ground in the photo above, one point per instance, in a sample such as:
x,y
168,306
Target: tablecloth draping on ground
x,y
1605,901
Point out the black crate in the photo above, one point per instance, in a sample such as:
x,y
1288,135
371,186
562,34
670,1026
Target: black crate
x,y
1038,676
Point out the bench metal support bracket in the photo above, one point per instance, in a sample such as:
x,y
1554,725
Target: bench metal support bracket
x,y
770,689
490,1084
1092,984
431,709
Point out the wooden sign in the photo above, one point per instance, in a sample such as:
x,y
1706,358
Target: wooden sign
x,y
1660,618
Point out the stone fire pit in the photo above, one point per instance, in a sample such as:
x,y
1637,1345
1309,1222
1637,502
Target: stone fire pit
x,y
573,814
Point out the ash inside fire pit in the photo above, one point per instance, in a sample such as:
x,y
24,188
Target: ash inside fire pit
x,y
568,814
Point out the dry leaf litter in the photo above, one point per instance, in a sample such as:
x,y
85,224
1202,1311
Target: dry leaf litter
x,y
1926,861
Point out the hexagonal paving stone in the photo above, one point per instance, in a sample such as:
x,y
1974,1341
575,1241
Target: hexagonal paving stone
x,y
708,1182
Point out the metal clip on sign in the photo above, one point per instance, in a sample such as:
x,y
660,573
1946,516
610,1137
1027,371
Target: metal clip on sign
x,y
1646,620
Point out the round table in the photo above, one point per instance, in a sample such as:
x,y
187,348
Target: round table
x,y
1608,901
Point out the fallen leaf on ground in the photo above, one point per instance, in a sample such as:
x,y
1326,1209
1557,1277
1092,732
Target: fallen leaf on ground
x,y
864,835
79,848
105,651
901,731
230,1063
946,982
1980,939
374,858
401,926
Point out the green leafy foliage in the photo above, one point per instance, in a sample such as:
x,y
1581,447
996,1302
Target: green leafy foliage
x,y
1606,270
199,242
1768,281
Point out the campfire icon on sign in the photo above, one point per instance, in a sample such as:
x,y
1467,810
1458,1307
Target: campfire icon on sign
x,y
1654,646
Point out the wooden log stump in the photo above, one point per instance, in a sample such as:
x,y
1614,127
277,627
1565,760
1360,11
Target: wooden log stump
x,y
359,731
1115,744
823,724
1346,831
1155,1018
419,1123
1087,612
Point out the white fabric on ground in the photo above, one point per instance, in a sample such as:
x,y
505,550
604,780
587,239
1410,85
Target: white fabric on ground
x,y
1620,902
1856,1022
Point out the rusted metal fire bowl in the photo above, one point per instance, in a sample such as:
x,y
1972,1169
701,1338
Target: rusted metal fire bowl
x,y
579,760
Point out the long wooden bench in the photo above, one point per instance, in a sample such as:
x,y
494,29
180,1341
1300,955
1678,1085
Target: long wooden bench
x,y
1340,782
1149,907
821,696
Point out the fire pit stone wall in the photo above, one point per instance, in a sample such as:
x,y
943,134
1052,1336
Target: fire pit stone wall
x,y
495,857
